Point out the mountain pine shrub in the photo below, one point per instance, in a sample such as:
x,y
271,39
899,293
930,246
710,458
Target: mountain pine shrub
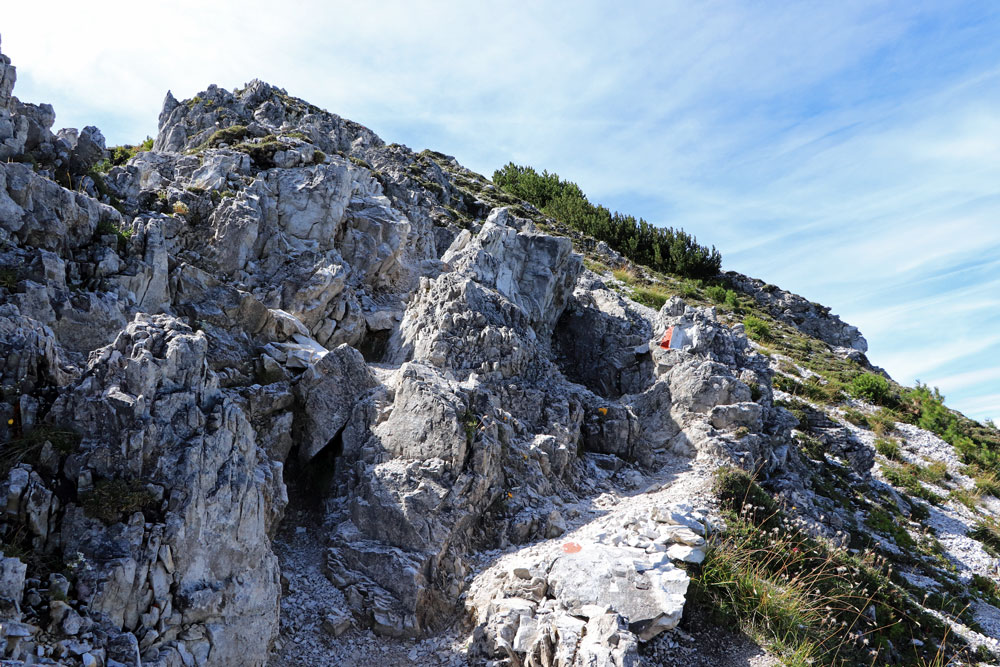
x,y
661,248
757,329
872,388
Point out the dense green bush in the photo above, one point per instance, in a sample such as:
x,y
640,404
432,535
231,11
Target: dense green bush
x,y
757,329
721,295
716,293
662,248
978,444
872,388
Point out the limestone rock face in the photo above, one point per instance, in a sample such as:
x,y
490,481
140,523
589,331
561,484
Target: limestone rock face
x,y
534,271
590,597
649,594
197,555
327,391
271,304
40,213
603,341
8,75
810,318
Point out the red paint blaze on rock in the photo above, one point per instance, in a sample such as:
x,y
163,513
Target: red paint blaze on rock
x,y
571,547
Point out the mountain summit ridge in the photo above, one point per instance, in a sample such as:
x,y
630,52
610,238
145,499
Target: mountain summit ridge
x,y
277,392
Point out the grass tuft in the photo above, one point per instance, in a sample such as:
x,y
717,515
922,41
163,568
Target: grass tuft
x,y
888,447
115,499
28,447
650,296
810,602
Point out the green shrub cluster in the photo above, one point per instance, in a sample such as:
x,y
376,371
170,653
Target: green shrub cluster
x,y
757,329
720,294
872,388
979,445
661,248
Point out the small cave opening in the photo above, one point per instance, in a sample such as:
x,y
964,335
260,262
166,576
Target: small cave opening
x,y
608,365
311,482
374,345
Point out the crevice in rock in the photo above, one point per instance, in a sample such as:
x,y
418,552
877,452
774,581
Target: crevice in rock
x,y
315,480
374,345
608,366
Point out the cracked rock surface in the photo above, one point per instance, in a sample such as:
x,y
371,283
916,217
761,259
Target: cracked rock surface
x,y
276,393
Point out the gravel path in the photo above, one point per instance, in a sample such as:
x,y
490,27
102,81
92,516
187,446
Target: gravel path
x,y
309,598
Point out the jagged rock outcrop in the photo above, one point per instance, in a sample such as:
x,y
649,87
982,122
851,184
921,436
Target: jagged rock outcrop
x,y
810,318
189,570
273,300
544,606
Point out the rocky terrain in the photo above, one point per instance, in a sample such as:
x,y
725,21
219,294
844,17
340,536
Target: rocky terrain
x,y
278,393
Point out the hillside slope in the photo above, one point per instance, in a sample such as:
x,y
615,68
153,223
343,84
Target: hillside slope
x,y
276,392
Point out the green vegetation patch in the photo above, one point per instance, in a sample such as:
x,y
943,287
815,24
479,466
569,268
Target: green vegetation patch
x,y
871,387
908,477
757,329
114,500
813,389
123,234
661,248
857,418
988,483
987,531
884,523
261,152
977,444
650,296
119,155
227,135
888,447
808,601
471,424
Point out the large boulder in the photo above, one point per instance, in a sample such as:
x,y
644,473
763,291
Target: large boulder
x,y
532,270
327,392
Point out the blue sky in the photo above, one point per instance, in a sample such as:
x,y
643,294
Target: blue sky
x,y
847,151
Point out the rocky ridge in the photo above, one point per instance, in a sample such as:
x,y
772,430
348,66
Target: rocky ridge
x,y
274,348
